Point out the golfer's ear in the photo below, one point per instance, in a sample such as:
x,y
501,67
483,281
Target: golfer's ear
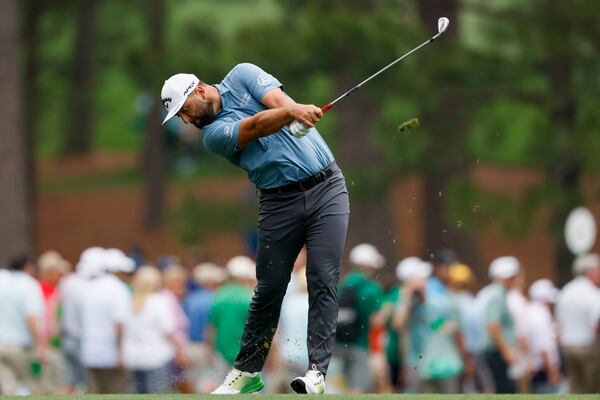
x,y
199,90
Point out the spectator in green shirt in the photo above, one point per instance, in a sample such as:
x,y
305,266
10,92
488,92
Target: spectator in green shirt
x,y
499,338
360,297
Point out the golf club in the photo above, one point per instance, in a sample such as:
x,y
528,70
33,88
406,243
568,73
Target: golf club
x,y
299,130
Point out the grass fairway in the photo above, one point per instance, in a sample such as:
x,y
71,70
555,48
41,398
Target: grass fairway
x,y
336,397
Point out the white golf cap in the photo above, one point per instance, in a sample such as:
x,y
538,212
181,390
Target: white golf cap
x,y
241,267
504,267
175,92
543,290
413,268
117,261
366,255
586,263
91,262
208,273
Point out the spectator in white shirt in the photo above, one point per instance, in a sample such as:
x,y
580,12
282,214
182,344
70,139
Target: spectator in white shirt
x,y
21,340
104,310
517,304
543,342
150,340
70,291
578,315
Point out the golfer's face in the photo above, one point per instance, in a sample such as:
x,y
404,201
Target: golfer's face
x,y
197,110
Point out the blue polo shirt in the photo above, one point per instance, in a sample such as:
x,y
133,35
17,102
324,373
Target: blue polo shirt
x,y
270,161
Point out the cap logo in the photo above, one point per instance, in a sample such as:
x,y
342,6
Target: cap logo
x,y
191,86
166,102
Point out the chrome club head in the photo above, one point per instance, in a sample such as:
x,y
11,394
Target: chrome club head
x,y
443,24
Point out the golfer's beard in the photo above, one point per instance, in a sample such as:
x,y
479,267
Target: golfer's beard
x,y
205,117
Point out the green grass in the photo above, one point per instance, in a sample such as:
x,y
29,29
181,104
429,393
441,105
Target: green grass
x,y
337,397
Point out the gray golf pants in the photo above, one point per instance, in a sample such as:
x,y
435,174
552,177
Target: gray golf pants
x,y
319,218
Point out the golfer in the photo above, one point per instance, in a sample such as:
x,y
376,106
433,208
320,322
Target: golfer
x,y
303,200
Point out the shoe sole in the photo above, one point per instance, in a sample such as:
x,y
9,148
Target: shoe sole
x,y
299,386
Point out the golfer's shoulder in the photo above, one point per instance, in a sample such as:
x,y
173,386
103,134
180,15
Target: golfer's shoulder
x,y
242,72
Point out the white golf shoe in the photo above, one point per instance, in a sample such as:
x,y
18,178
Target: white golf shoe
x,y
311,383
239,382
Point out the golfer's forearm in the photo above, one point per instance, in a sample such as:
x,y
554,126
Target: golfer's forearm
x,y
263,124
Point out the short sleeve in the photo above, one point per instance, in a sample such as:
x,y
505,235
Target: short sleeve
x,y
34,305
256,81
493,310
221,137
121,303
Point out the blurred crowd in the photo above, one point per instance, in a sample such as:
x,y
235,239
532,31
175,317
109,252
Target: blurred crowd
x,y
111,324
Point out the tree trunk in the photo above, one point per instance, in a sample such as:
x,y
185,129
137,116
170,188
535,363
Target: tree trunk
x,y
447,163
565,171
15,215
154,164
31,39
79,131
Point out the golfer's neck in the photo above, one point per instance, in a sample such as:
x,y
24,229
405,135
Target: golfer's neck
x,y
215,97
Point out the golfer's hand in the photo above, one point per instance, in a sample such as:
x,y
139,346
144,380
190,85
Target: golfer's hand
x,y
306,114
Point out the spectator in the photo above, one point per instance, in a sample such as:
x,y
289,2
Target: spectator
x,y
543,343
150,342
22,347
208,277
517,305
360,298
578,316
175,289
105,309
431,320
393,344
460,278
52,267
499,338
228,312
71,291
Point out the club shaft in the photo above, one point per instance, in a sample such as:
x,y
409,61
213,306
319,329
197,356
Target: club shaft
x,y
329,105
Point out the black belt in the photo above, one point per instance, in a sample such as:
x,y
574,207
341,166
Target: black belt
x,y
304,184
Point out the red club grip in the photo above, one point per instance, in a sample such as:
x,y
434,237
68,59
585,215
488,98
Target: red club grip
x,y
326,107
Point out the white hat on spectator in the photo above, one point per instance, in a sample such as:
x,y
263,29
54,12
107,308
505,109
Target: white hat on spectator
x,y
241,267
366,255
504,267
543,290
208,273
586,263
117,261
413,268
92,262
